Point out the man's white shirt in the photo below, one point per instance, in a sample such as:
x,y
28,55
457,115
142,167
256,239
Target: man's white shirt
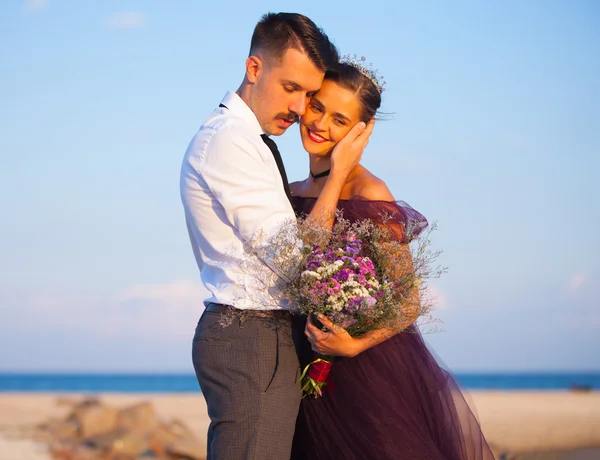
x,y
232,192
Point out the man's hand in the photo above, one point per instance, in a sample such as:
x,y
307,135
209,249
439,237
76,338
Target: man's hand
x,y
348,152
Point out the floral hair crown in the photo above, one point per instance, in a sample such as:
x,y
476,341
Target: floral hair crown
x,y
359,63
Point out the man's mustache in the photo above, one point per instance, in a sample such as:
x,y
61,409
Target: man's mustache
x,y
290,117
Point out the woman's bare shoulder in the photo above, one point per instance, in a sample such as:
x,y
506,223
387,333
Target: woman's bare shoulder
x,y
297,187
368,186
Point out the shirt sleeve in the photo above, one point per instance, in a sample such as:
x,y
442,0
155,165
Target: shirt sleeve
x,y
246,184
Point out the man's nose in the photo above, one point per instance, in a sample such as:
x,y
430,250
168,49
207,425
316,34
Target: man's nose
x,y
298,105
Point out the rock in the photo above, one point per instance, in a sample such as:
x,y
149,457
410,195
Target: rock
x,y
180,429
94,419
88,401
160,438
580,388
186,449
74,452
42,433
94,431
120,442
141,417
68,429
68,401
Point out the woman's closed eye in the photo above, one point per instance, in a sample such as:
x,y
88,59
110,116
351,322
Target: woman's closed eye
x,y
315,108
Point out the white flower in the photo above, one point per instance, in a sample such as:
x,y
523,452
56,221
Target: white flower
x,y
350,283
330,269
373,282
311,274
335,303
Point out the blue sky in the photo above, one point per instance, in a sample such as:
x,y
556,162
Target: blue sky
x,y
493,131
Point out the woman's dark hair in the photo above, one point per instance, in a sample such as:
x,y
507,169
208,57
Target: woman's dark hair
x,y
275,33
349,77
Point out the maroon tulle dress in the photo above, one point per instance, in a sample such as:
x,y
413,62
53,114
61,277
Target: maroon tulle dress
x,y
393,401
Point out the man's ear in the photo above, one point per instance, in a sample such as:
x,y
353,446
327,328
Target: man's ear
x,y
254,68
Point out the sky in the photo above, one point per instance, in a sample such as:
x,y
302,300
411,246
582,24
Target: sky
x,y
492,130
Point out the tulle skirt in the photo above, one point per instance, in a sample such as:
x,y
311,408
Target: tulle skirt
x,y
392,401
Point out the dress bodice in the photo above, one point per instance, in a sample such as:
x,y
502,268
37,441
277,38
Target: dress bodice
x,y
396,215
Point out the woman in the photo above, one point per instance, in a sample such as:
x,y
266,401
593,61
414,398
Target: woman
x,y
389,398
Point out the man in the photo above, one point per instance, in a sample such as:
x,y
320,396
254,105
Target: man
x,y
233,187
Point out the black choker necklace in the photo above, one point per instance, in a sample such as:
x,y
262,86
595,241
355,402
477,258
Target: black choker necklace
x,y
322,174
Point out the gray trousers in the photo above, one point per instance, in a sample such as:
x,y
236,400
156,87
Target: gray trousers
x,y
248,372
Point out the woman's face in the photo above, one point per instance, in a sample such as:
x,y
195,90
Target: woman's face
x,y
329,116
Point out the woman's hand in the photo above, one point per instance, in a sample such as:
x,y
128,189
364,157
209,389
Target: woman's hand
x,y
335,342
348,151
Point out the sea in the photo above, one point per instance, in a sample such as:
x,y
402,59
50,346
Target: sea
x,y
186,383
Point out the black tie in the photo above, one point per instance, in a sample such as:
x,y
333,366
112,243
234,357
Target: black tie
x,y
273,147
275,151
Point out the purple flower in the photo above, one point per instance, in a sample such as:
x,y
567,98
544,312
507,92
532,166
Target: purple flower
x,y
366,267
371,302
313,265
348,322
334,286
342,275
316,291
352,249
353,305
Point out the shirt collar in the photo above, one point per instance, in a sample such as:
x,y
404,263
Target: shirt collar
x,y
239,108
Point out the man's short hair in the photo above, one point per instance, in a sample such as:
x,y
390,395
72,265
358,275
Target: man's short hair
x,y
275,33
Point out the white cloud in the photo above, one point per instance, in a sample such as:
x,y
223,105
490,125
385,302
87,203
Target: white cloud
x,y
169,311
126,20
577,281
34,5
181,292
166,312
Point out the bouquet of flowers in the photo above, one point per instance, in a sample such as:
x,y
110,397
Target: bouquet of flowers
x,y
362,279
360,275
341,284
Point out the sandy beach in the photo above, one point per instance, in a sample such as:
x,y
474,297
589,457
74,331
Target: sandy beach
x,y
519,425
